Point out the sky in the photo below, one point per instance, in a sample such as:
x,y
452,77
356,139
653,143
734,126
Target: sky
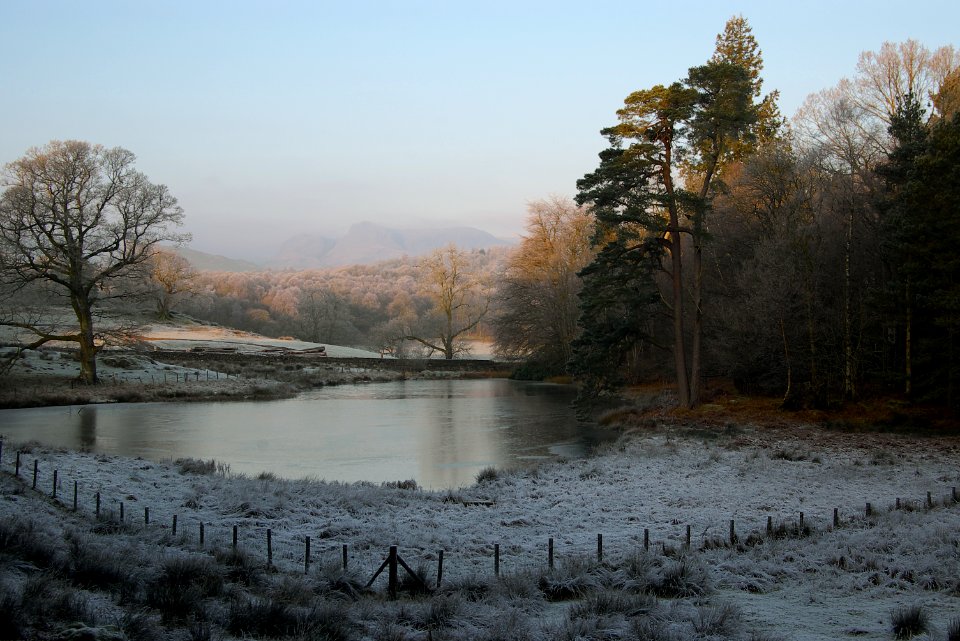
x,y
269,120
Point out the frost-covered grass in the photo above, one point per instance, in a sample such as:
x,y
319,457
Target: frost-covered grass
x,y
816,582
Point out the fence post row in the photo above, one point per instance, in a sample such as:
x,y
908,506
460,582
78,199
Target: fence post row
x,y
393,560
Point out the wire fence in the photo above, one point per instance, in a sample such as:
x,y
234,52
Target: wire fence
x,y
286,548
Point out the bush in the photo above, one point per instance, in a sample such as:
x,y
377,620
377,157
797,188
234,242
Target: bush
x,y
178,591
196,466
683,578
953,630
909,621
487,475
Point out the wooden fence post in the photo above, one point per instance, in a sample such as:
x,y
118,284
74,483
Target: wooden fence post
x,y
599,548
836,517
306,555
550,553
75,489
202,534
345,556
929,501
953,494
646,539
56,473
35,463
269,547
174,525
688,537
17,465
733,533
801,522
392,572
898,503
439,568
234,537
769,525
97,510
121,511
496,560
146,516
869,509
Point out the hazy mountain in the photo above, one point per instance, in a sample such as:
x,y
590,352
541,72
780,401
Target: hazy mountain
x,y
364,243
369,243
204,262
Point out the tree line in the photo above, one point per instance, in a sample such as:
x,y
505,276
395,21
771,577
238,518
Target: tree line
x,y
810,258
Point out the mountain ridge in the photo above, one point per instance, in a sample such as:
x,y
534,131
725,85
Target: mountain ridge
x,y
363,243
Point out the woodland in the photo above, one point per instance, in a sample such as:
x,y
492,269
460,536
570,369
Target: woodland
x,y
811,258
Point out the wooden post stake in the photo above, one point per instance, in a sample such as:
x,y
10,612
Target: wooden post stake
x,y
801,522
174,524
75,488
836,517
688,537
35,463
17,465
646,539
202,534
234,537
769,525
439,568
269,546
869,510
146,516
550,553
898,503
929,501
306,555
97,511
392,572
56,473
953,494
121,511
345,556
496,560
599,548
733,533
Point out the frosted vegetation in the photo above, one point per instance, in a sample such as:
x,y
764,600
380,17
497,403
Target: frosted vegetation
x,y
896,569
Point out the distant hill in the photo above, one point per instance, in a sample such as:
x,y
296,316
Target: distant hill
x,y
363,244
204,262
366,243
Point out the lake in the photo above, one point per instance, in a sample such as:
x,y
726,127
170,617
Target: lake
x,y
437,432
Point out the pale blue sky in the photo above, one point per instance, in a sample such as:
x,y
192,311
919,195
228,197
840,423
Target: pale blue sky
x,y
269,119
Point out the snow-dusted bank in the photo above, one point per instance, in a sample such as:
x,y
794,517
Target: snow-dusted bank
x,y
829,584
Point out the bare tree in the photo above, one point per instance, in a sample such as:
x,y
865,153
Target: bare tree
x,y
79,219
459,305
173,278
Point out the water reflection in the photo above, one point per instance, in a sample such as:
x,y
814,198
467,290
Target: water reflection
x,y
440,433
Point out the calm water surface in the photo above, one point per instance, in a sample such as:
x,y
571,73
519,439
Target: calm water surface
x,y
440,433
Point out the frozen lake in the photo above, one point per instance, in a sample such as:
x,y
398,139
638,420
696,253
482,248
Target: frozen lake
x,y
438,432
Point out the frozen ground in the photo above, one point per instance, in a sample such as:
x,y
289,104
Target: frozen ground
x,y
833,584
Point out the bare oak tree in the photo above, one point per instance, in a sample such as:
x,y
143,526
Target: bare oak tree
x,y
172,278
79,220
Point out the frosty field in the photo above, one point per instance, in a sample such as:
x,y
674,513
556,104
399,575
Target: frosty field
x,y
825,583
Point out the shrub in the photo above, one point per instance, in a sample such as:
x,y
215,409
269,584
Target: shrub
x,y
683,578
196,466
241,567
720,620
908,621
487,475
953,630
181,586
608,602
